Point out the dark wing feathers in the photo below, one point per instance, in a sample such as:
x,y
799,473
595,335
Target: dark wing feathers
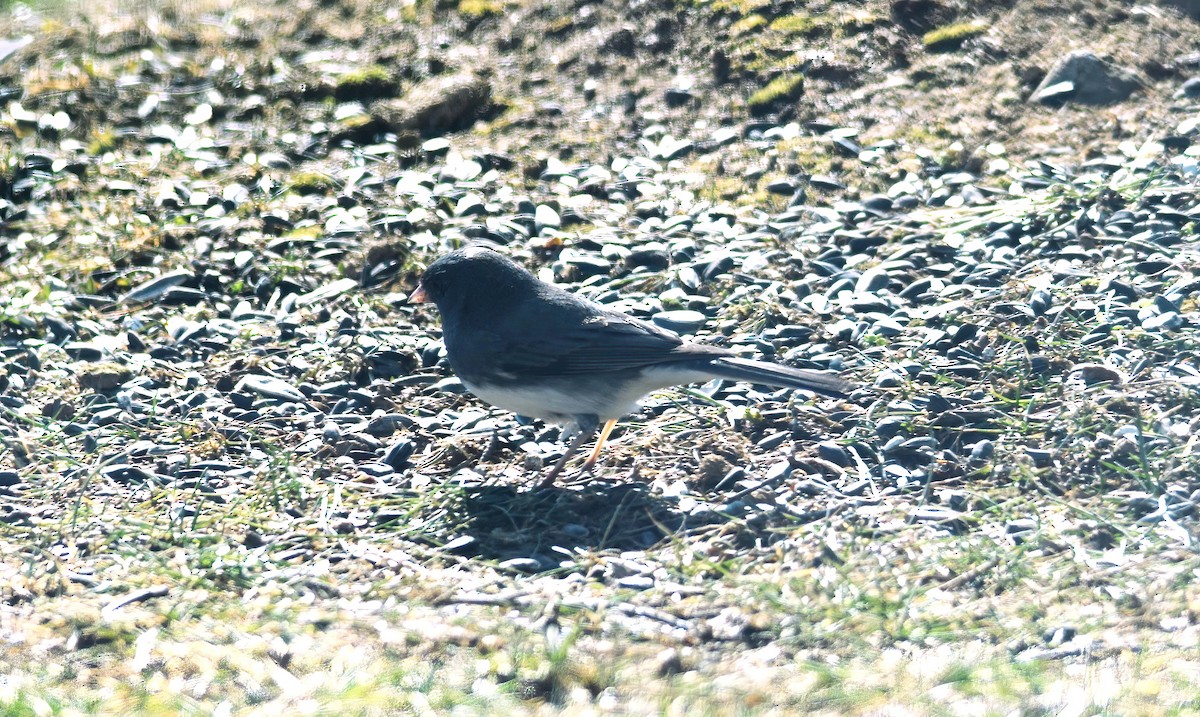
x,y
601,343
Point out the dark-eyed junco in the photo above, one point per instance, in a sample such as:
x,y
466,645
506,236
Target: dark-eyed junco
x,y
536,350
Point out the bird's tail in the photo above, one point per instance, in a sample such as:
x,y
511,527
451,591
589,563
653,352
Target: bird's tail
x,y
773,374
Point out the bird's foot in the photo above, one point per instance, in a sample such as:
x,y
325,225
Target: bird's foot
x,y
551,476
585,432
584,474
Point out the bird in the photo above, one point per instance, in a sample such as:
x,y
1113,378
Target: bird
x,y
537,350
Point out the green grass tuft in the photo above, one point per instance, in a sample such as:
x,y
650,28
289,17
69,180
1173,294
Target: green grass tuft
x,y
746,25
311,183
371,81
951,37
798,25
781,89
480,9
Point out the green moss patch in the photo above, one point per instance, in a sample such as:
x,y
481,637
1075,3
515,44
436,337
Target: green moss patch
x,y
311,183
784,88
480,9
746,25
366,83
801,24
951,37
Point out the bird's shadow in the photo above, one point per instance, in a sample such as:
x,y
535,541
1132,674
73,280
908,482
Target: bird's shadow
x,y
547,525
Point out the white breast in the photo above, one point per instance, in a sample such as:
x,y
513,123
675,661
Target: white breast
x,y
561,400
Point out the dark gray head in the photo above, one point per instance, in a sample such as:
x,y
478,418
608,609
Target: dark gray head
x,y
474,279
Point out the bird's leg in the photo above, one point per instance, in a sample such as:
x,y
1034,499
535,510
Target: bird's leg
x,y
586,430
591,460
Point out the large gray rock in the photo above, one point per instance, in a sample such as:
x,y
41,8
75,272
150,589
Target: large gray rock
x,y
1083,77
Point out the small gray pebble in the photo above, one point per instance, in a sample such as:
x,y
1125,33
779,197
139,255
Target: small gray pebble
x,y
772,441
889,427
377,470
834,453
682,321
521,565
636,582
1041,458
779,471
398,453
982,452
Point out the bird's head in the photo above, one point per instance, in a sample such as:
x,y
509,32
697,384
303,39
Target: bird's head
x,y
473,277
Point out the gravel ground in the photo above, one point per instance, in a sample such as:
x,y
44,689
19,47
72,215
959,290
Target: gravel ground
x,y
238,475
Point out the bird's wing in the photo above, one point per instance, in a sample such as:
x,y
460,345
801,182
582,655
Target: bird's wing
x,y
601,343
